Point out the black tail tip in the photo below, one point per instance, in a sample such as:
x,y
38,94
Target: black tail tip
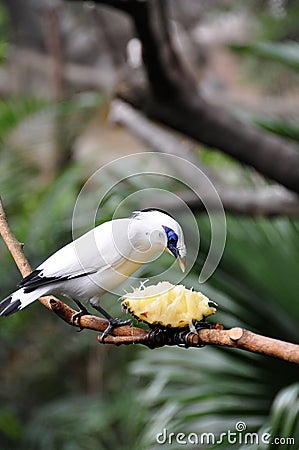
x,y
5,302
10,307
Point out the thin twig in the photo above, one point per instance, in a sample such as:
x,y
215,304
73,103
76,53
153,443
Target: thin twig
x,y
216,335
50,15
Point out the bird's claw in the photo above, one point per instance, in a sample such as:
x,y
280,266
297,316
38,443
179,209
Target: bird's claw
x,y
181,338
83,312
202,324
115,322
157,337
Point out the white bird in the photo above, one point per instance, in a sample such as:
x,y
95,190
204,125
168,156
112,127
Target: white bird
x,y
99,261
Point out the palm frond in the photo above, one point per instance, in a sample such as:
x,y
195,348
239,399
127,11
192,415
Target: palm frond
x,y
286,53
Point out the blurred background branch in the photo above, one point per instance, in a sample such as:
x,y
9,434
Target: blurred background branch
x,y
173,98
263,201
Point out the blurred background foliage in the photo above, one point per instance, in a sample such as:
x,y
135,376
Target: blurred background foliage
x,y
60,389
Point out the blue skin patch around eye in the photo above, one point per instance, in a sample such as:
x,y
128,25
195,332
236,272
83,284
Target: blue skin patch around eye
x,y
172,240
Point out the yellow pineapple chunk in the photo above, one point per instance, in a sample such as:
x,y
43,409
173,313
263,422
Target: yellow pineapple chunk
x,y
168,305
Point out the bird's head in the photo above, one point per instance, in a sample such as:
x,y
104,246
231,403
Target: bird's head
x,y
160,231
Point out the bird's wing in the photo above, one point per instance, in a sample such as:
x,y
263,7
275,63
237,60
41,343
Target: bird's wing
x,y
37,278
93,252
79,258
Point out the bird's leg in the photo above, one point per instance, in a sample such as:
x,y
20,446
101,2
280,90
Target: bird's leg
x,y
82,312
114,322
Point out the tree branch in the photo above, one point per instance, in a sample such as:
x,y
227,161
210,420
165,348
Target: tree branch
x,y
215,335
263,201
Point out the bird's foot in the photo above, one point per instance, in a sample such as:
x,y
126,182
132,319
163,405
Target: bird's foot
x,y
157,337
114,322
83,312
182,337
202,324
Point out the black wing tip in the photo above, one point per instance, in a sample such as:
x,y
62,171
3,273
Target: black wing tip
x,y
31,277
11,308
35,280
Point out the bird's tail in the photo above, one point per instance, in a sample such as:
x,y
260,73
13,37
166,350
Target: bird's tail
x,y
18,300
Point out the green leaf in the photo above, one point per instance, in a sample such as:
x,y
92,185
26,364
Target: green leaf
x,y
286,53
279,127
15,110
10,424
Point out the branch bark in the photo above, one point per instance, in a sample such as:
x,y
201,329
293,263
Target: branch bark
x,y
216,335
174,99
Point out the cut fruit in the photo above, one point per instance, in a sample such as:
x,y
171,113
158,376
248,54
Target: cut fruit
x,y
168,305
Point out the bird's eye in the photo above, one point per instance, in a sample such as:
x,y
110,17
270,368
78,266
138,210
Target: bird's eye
x,y
172,241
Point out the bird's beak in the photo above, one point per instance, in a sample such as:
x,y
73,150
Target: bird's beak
x,y
182,263
180,259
